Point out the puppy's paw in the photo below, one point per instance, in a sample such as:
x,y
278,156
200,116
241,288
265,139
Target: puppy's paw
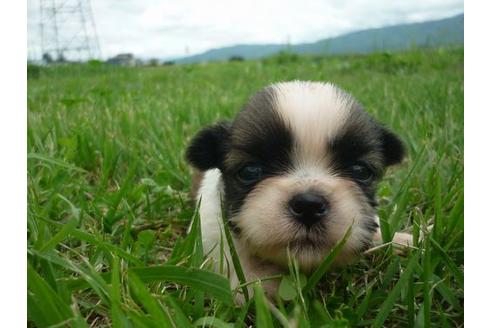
x,y
403,239
401,242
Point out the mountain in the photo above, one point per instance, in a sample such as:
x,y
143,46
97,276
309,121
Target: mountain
x,y
448,31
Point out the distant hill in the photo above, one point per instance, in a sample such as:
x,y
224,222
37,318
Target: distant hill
x,y
442,32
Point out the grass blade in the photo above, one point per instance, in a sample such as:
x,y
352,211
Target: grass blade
x,y
385,309
212,322
235,258
325,265
117,317
157,313
179,317
438,223
54,161
79,321
90,277
455,270
94,240
49,308
427,280
456,215
364,305
411,302
208,282
64,232
263,316
446,292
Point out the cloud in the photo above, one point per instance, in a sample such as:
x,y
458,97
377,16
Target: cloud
x,y
156,28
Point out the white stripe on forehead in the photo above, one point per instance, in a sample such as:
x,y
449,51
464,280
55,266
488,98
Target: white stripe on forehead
x,y
315,112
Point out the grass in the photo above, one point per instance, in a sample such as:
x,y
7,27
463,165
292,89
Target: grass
x,y
108,202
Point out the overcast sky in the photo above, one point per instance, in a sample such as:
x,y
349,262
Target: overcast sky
x,y
172,28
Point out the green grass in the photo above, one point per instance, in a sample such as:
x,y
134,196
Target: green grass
x,y
108,203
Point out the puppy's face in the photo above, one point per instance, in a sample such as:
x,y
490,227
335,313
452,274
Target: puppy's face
x,y
300,164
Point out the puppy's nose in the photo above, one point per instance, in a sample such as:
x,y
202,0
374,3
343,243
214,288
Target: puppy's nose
x,y
308,208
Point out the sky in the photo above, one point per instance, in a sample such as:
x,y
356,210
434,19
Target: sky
x,y
167,29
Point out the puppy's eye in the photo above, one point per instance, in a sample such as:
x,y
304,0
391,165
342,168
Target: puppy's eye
x,y
362,173
250,173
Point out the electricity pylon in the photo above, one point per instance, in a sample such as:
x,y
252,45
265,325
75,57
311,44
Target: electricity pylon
x,y
68,31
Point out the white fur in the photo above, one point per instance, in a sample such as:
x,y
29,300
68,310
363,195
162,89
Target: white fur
x,y
210,194
315,112
214,240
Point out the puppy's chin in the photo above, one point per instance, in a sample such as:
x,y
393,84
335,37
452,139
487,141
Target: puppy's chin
x,y
307,253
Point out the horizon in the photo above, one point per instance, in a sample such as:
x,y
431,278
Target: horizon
x,y
156,29
314,41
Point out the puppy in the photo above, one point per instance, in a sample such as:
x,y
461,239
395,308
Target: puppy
x,y
296,168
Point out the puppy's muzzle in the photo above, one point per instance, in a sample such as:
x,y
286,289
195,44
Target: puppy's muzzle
x,y
308,208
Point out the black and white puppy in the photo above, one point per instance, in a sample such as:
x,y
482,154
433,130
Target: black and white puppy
x,y
295,169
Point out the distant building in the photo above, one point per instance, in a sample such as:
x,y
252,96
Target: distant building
x,y
153,62
123,60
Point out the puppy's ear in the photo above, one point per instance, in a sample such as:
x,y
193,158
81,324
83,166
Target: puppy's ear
x,y
208,148
393,148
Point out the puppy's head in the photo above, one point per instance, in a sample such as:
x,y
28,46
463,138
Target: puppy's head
x,y
300,164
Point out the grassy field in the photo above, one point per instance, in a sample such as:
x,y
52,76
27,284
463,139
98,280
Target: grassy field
x,y
108,201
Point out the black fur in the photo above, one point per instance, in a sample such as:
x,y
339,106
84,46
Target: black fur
x,y
365,140
258,136
393,148
351,147
208,148
371,225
